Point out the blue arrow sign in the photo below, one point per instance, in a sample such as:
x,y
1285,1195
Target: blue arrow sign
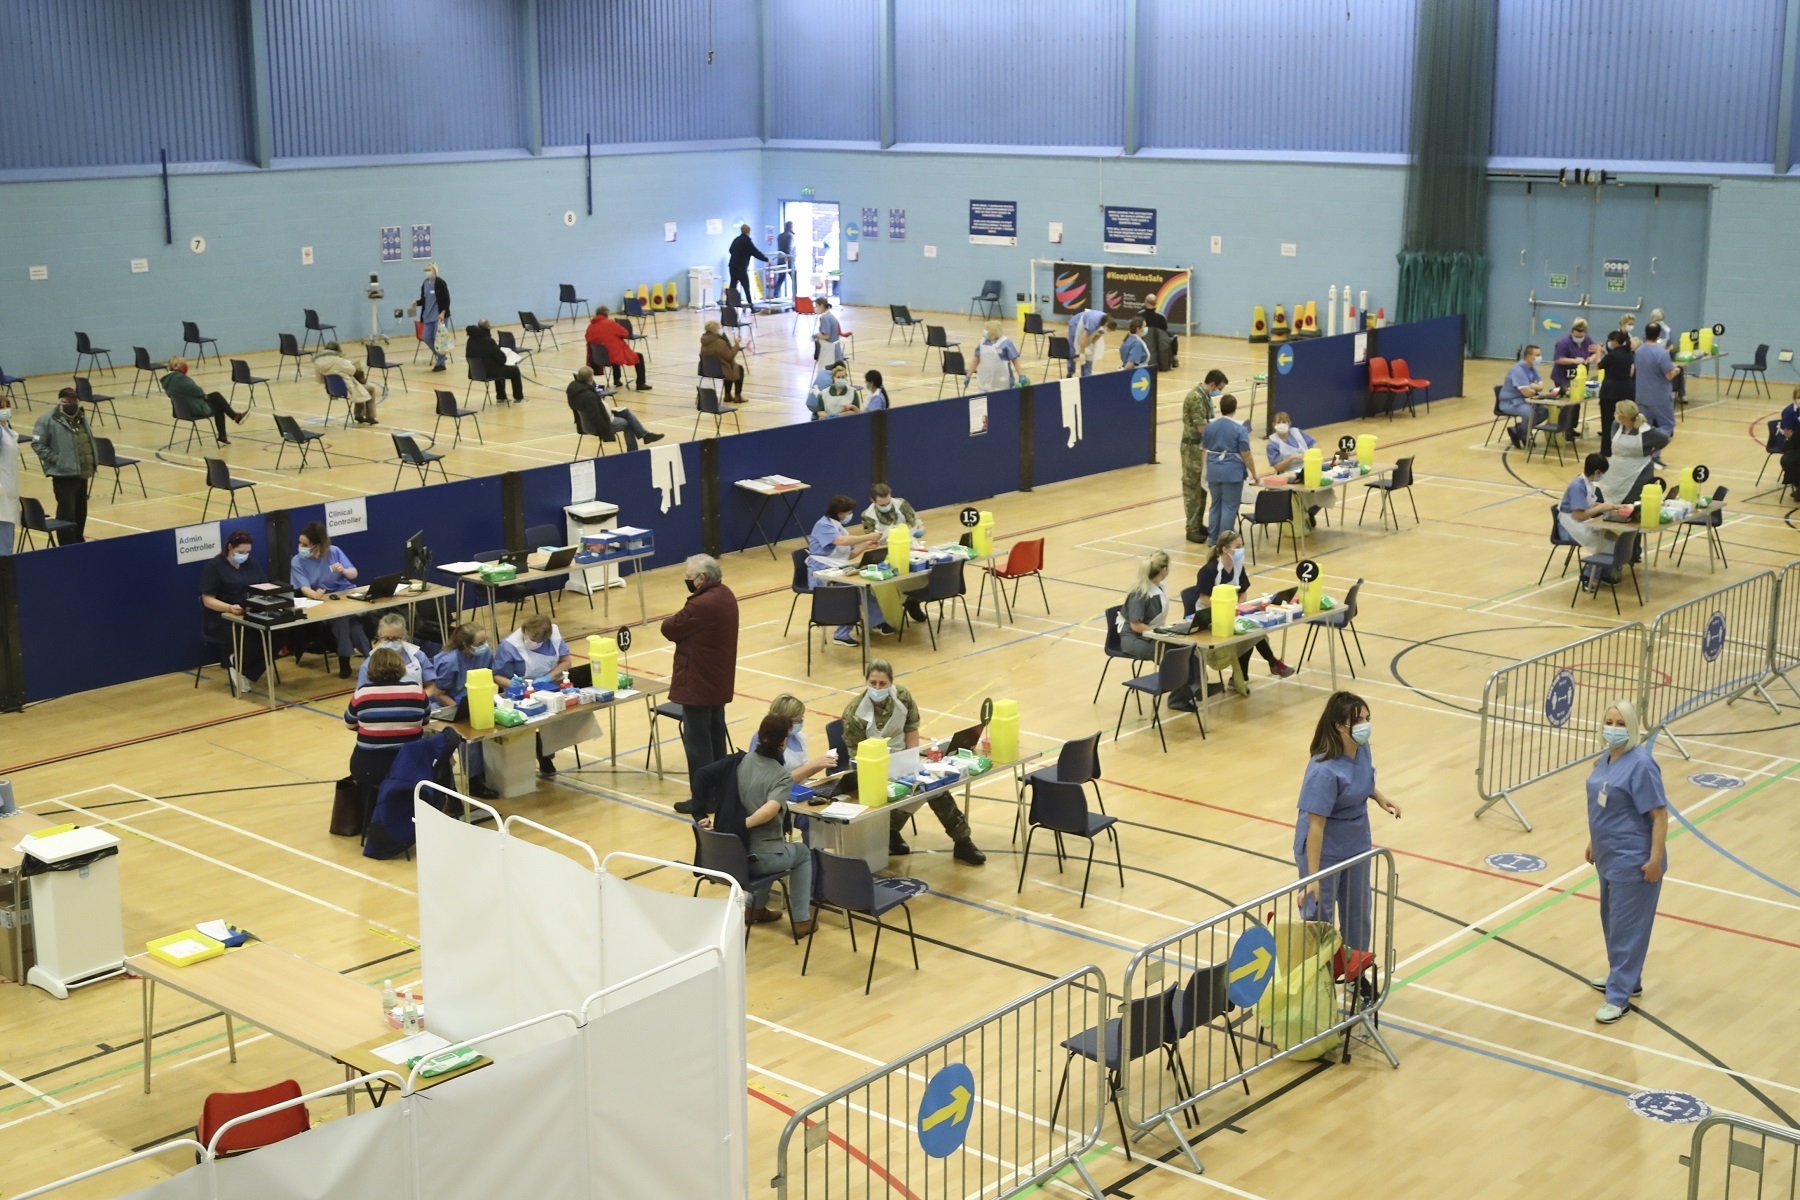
x,y
1284,359
1712,643
1140,384
1252,965
945,1111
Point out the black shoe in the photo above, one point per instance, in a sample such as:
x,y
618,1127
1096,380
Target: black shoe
x,y
897,846
916,613
440,367
966,852
481,791
1518,439
886,630
1215,689
643,387
686,807
652,437
344,668
1198,541
546,767
1181,703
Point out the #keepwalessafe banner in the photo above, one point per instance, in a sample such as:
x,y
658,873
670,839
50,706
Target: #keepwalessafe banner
x,y
1072,288
993,222
1128,230
1131,289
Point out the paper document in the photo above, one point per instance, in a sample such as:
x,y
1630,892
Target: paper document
x,y
903,762
781,481
185,948
624,694
218,931
305,602
512,357
461,568
409,1047
668,474
841,810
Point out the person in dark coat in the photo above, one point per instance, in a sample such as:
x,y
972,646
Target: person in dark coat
x,y
743,249
482,348
586,399
705,633
722,350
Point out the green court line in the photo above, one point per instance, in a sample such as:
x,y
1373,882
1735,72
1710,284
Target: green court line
x,y
1098,1150
136,1064
1529,913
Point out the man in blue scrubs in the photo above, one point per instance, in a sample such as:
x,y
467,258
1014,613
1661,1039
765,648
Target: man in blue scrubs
x,y
1226,444
1087,339
1655,379
1522,382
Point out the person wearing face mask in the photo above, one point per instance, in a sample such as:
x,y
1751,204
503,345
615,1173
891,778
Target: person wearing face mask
x,y
1288,446
1197,409
387,711
319,571
1522,382
9,475
831,546
1225,565
1228,465
65,449
763,786
466,650
705,634
874,391
391,631
479,346
194,403
225,583
887,510
1572,349
886,710
1334,816
835,398
1628,828
1582,501
1618,382
433,306
1133,351
1628,327
828,341
994,357
1087,339
801,764
1654,378
1633,459
1146,606
532,651
328,361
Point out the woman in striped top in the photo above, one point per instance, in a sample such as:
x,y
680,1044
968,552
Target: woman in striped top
x,y
386,714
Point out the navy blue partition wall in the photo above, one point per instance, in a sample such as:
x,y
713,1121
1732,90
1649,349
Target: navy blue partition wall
x,y
832,456
1317,381
1432,350
933,460
1115,429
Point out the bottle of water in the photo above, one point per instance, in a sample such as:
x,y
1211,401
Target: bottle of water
x,y
388,1000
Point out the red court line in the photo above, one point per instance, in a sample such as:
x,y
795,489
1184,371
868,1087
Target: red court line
x,y
1445,862
852,1151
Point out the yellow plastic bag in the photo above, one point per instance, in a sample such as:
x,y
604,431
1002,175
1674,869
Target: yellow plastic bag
x,y
1301,1000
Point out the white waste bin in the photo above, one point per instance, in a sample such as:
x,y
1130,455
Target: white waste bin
x,y
701,282
588,518
78,930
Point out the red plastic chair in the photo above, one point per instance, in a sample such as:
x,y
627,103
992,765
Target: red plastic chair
x,y
221,1107
1381,382
1401,376
803,307
1025,558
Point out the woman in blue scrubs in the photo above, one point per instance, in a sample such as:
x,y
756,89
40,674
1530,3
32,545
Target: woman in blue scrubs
x,y
1334,815
1628,824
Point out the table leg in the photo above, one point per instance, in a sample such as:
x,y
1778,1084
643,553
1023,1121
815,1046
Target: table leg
x,y
149,1004
756,525
655,743
493,611
1331,646
637,573
612,732
268,641
349,1093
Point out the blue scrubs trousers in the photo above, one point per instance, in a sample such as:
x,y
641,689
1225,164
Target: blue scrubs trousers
x,y
1525,410
1350,901
1661,416
1627,911
1227,497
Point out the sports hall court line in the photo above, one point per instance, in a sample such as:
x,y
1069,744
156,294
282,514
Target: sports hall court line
x,y
1506,1057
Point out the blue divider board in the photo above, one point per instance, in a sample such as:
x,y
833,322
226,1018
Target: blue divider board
x,y
1115,429
934,462
831,455
626,480
1323,386
1432,350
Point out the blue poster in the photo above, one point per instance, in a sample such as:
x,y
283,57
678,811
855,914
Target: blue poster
x,y
871,223
421,241
390,244
1129,230
993,222
1559,701
897,224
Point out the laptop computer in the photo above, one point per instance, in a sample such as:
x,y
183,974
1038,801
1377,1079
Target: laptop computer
x,y
965,739
581,676
871,557
457,712
380,588
560,559
520,561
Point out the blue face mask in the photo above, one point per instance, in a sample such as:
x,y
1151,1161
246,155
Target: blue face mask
x,y
1237,560
482,652
878,695
240,557
308,552
5,416
1615,735
1361,732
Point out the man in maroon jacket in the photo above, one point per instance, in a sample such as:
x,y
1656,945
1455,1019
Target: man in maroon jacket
x,y
705,633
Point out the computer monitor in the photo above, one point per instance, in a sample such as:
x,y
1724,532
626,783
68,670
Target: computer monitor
x,y
418,557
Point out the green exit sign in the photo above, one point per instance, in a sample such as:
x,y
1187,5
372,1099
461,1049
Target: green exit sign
x,y
1615,285
1559,281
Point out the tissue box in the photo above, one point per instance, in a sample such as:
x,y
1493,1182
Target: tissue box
x,y
508,717
497,572
552,701
534,707
972,763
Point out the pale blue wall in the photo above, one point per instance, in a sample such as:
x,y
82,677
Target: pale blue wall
x,y
827,68
1751,284
497,230
1344,221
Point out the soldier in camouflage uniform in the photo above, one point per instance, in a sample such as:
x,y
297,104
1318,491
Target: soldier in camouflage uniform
x,y
1196,411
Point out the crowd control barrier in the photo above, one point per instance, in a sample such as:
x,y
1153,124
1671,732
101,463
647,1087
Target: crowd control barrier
x,y
1760,1160
1539,716
965,1115
1784,636
139,594
1304,985
1711,648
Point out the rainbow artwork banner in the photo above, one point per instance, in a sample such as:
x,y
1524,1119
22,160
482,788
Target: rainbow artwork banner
x,y
1072,289
1130,289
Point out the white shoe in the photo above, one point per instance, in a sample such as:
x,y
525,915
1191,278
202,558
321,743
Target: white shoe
x,y
1608,1013
238,681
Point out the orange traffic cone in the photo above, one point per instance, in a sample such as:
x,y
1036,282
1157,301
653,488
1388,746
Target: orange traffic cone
x,y
1280,332
1259,324
1381,317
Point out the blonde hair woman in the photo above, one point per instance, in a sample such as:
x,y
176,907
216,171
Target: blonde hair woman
x,y
1146,605
992,370
1628,826
790,708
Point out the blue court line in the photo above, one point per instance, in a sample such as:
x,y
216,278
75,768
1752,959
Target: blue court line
x,y
1680,816
1506,1058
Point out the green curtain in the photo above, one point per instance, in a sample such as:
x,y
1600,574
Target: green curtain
x,y
1443,260
1438,283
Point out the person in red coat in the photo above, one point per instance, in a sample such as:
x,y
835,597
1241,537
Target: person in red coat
x,y
705,633
604,331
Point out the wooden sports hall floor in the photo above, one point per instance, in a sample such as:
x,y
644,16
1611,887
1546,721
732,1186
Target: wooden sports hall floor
x,y
1507,1088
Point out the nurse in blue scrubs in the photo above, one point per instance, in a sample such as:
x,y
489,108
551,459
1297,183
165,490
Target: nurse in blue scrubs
x,y
1334,815
1628,824
467,649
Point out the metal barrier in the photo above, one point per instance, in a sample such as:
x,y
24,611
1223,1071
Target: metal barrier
x,y
1769,1154
962,1116
1784,632
1539,716
1711,648
1179,1043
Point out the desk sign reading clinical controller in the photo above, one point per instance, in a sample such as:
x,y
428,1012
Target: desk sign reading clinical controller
x,y
197,543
